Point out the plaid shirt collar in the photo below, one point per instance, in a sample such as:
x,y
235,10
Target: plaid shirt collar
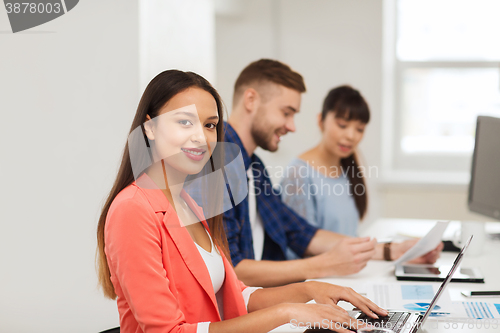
x,y
232,136
283,227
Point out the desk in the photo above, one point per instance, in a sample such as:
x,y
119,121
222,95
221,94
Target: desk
x,y
383,272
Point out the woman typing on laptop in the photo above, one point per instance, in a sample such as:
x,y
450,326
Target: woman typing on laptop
x,y
161,259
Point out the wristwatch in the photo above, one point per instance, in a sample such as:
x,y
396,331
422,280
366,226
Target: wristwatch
x,y
387,251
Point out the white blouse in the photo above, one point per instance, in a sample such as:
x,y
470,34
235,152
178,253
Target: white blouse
x,y
214,263
256,224
215,266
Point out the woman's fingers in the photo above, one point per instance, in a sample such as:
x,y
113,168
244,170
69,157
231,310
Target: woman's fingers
x,y
340,309
375,308
430,257
338,319
347,324
364,304
332,294
330,302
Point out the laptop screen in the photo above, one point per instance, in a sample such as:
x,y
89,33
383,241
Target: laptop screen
x,y
446,280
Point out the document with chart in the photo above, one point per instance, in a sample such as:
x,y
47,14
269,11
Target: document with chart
x,y
416,297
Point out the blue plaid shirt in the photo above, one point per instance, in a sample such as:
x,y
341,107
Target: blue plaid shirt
x,y
283,227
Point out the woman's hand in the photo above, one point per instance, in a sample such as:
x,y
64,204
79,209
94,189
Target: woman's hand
x,y
398,249
326,293
328,316
285,304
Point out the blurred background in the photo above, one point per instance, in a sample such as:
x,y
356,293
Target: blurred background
x,y
69,89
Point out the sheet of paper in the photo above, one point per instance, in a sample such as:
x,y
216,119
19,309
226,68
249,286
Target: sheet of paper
x,y
407,297
476,310
416,298
425,244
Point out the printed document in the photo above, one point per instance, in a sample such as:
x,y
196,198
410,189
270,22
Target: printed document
x,y
425,244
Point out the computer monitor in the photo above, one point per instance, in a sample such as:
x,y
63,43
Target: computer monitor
x,y
484,186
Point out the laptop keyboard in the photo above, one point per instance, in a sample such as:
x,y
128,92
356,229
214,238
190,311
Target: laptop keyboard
x,y
394,320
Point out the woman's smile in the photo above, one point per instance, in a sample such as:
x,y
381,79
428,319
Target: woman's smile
x,y
345,148
195,154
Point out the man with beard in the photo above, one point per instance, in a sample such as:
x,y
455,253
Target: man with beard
x,y
259,229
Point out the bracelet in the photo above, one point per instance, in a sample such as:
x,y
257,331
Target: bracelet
x,y
387,251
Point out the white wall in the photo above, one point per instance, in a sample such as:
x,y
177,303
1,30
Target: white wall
x,y
68,92
176,35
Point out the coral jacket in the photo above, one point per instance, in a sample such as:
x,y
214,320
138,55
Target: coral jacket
x,y
159,276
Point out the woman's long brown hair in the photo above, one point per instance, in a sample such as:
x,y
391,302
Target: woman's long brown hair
x,y
158,92
347,103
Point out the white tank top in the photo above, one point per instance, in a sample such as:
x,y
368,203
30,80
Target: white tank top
x,y
256,224
214,263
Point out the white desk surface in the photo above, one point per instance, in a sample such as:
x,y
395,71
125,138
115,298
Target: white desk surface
x,y
383,272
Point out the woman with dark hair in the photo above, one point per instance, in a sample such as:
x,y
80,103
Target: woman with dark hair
x,y
161,259
326,184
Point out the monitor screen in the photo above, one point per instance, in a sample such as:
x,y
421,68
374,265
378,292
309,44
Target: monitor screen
x,y
484,186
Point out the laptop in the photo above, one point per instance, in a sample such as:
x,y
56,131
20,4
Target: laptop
x,y
404,321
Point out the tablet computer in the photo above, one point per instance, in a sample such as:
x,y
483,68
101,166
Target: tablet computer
x,y
409,272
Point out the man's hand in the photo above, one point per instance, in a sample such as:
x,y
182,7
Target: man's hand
x,y
348,256
398,249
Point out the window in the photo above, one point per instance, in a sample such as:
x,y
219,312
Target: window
x,y
442,59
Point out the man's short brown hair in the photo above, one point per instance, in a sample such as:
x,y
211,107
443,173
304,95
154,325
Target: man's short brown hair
x,y
268,71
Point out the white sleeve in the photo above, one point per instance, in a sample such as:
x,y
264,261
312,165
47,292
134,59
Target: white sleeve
x,y
202,327
247,292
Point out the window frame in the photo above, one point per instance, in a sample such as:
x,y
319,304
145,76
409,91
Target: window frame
x,y
417,168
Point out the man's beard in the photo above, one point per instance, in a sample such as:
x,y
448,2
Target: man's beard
x,y
262,134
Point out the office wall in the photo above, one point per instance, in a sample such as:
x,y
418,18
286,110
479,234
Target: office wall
x,y
423,202
330,42
176,35
68,92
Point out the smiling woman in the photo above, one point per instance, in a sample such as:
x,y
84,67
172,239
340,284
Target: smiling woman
x,y
166,266
182,135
